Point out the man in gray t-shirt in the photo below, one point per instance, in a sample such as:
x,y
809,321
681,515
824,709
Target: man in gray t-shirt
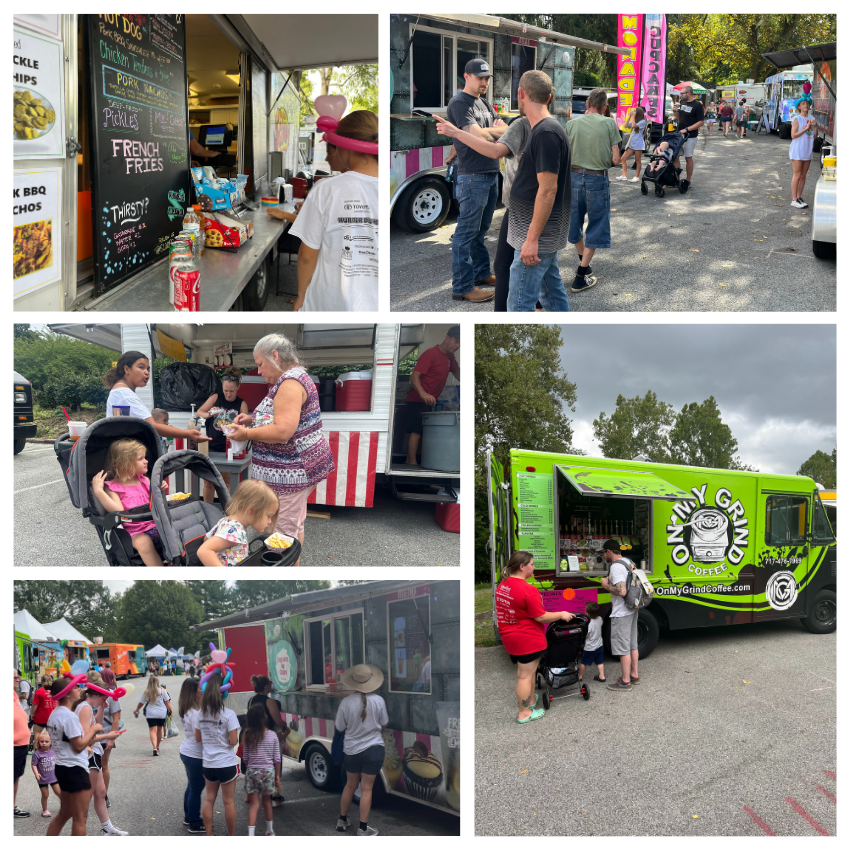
x,y
476,186
623,619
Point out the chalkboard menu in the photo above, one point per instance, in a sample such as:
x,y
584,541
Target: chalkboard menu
x,y
140,140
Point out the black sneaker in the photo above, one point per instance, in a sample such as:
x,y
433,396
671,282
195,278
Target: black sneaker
x,y
20,813
803,204
196,828
583,283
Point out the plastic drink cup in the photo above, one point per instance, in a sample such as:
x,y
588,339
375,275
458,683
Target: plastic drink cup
x,y
77,429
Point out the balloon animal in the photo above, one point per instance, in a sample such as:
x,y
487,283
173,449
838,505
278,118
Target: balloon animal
x,y
219,665
78,679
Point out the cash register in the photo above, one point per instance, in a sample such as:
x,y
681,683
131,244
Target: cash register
x,y
218,137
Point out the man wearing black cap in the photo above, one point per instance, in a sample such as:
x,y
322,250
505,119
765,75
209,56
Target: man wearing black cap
x,y
623,620
428,379
476,186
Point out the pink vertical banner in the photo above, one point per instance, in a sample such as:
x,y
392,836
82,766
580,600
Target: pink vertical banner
x,y
630,35
654,67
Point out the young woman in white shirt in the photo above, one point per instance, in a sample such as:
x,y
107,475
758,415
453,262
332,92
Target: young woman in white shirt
x,y
191,754
157,705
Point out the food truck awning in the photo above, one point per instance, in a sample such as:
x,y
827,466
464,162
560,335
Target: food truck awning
x,y
109,336
65,631
802,55
301,602
494,23
626,483
302,42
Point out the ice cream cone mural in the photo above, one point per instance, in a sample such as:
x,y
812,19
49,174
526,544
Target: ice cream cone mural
x,y
392,760
294,740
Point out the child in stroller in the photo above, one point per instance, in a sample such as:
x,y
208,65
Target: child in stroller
x,y
559,667
661,171
124,485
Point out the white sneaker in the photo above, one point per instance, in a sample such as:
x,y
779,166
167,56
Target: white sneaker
x,y
802,203
620,177
797,204
370,830
635,180
113,830
269,833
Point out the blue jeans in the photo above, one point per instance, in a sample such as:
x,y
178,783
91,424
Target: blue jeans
x,y
591,196
543,281
477,195
192,794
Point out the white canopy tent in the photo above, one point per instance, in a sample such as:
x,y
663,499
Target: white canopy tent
x,y
157,652
65,631
26,623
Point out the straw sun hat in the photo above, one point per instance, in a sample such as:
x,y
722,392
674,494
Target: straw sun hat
x,y
362,677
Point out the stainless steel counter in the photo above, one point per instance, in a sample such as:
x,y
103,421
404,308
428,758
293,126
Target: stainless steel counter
x,y
223,275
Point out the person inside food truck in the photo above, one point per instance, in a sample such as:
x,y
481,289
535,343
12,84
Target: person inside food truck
x,y
428,380
198,150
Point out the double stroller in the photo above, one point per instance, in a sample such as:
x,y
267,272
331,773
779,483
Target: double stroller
x,y
558,670
669,175
182,525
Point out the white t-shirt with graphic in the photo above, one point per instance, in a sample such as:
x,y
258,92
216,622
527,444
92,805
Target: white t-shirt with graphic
x,y
339,219
123,397
63,725
215,737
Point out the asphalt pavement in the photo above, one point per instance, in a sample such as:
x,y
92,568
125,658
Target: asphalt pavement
x,y
146,794
732,243
731,731
49,531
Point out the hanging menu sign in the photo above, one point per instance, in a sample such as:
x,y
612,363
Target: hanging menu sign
x,y
140,140
536,518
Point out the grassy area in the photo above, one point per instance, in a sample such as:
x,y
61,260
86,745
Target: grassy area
x,y
484,616
51,421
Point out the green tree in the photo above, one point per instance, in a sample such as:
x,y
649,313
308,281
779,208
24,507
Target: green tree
x,y
521,394
639,426
25,332
305,86
822,468
88,605
49,355
699,437
248,594
153,612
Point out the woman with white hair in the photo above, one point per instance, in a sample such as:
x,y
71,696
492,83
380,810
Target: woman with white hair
x,y
291,453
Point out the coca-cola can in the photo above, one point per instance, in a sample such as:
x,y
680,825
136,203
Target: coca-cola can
x,y
186,284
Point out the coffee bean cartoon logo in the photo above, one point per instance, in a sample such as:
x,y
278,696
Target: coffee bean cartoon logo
x,y
781,590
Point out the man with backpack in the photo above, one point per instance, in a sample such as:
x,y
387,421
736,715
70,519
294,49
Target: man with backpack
x,y
623,618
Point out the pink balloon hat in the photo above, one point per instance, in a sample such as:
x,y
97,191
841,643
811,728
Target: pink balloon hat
x,y
330,108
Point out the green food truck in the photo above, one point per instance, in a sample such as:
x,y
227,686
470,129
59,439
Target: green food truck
x,y
721,547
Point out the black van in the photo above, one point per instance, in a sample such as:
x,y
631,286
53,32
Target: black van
x,y
24,426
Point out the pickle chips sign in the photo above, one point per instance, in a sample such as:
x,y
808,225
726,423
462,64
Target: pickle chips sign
x,y
708,532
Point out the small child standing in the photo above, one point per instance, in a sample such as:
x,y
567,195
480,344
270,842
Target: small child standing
x,y
261,754
160,417
123,485
593,652
254,505
44,768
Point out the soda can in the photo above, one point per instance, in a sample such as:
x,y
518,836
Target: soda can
x,y
186,281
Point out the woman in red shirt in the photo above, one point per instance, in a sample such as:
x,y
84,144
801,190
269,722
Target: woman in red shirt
x,y
42,705
522,626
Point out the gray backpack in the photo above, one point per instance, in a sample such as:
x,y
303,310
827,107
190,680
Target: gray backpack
x,y
637,596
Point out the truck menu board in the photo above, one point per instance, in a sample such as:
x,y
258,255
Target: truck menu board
x,y
536,518
140,141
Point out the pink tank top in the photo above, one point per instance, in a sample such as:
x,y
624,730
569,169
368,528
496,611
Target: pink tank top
x,y
134,496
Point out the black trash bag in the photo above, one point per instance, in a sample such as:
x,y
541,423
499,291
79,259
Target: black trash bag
x,y
185,384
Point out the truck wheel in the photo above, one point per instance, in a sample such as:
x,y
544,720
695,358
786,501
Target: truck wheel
x,y
821,619
785,131
424,206
20,442
256,293
321,771
823,250
648,631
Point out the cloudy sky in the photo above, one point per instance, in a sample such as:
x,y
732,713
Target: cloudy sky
x,y
774,384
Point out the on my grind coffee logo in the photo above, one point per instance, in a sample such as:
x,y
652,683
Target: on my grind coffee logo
x,y
708,532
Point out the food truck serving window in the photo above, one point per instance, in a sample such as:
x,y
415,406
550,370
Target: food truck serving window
x,y
409,622
785,520
596,481
822,532
334,643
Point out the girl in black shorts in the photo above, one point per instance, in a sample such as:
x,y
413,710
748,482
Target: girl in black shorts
x,y
157,705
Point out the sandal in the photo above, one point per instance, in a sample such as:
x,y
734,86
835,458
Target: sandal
x,y
535,715
597,679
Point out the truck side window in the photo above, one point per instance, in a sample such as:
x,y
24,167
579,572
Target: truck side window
x,y
822,532
785,521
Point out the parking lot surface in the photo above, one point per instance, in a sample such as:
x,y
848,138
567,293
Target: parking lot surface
x,y
49,531
732,243
731,731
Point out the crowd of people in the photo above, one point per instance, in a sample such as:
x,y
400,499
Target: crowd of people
x,y
291,454
74,732
556,186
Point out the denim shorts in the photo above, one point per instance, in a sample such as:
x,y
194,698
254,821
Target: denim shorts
x,y
591,197
368,761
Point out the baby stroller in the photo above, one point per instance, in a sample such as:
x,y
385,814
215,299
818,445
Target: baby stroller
x,y
558,668
181,524
669,175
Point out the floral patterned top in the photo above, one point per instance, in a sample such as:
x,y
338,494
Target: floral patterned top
x,y
134,496
305,459
229,529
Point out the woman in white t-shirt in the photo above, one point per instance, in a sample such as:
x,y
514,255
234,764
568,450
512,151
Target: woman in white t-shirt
x,y
157,705
804,131
363,717
637,123
191,754
217,730
133,370
338,224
